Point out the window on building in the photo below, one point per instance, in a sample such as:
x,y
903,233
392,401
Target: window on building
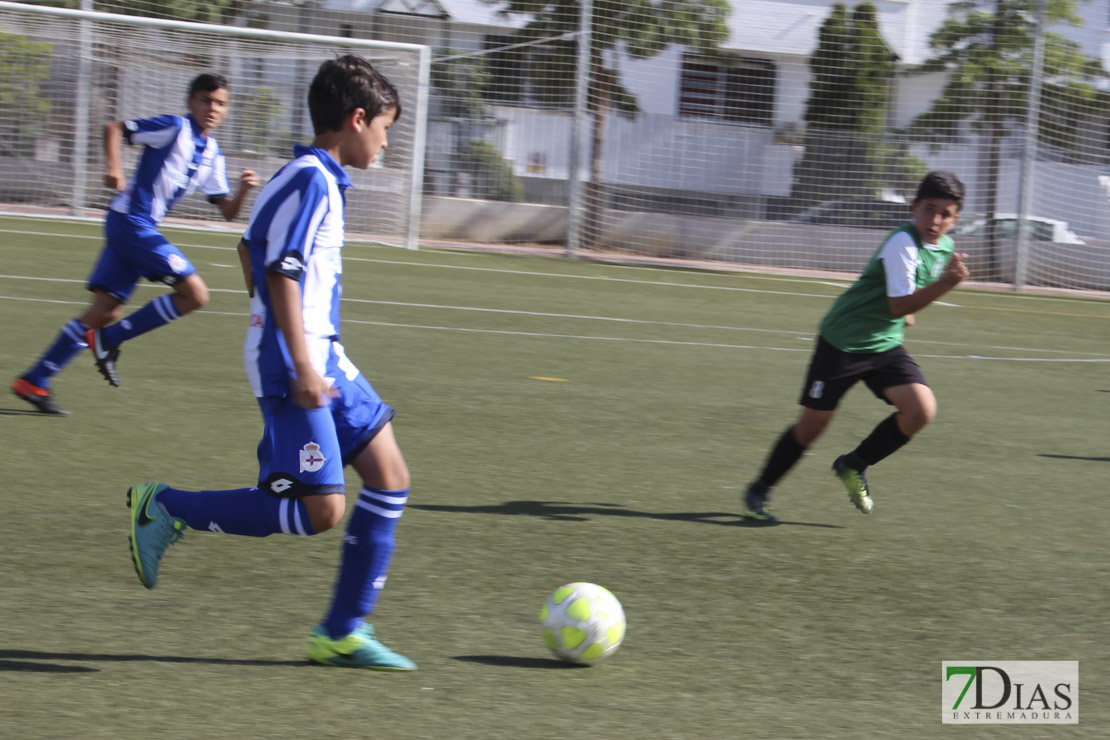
x,y
742,90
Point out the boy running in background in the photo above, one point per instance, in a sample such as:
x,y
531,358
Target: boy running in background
x,y
320,413
178,156
861,339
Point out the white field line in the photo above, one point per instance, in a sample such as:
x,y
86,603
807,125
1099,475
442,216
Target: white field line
x,y
745,276
1092,356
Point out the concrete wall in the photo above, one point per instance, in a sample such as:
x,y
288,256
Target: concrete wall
x,y
742,241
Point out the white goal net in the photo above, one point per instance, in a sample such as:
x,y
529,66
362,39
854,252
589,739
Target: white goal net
x,y
66,73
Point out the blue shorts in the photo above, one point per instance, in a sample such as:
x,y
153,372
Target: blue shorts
x,y
132,249
303,452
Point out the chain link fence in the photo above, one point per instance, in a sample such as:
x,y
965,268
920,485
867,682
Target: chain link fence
x,y
770,133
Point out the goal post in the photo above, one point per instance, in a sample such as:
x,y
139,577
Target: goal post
x,y
65,73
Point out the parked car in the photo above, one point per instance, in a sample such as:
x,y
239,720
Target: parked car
x,y
858,212
1036,228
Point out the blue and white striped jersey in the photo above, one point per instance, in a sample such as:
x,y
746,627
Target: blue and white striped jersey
x,y
175,161
296,230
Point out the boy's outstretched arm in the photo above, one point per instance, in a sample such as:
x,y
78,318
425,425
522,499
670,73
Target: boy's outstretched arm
x,y
310,390
230,207
954,273
113,168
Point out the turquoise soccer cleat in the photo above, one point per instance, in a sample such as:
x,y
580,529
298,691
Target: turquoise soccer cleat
x,y
360,649
152,530
856,483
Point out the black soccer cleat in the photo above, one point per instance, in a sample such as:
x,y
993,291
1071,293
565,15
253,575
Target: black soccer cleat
x,y
756,503
106,357
40,398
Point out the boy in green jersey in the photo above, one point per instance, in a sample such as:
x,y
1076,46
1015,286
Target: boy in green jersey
x,y
861,339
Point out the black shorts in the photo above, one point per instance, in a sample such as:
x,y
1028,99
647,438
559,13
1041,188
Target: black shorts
x,y
832,372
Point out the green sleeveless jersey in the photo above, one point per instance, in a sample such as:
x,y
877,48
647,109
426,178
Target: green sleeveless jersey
x,y
860,320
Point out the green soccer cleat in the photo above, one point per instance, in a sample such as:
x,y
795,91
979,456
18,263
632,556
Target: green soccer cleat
x,y
360,649
856,483
152,530
756,503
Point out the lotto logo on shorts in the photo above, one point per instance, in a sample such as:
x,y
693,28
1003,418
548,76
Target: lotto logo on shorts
x,y
817,389
311,458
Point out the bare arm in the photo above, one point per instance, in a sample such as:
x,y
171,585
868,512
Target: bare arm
x,y
230,207
954,273
245,263
113,169
310,390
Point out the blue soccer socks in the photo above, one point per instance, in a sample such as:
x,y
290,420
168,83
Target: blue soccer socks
x,y
367,548
67,345
245,511
158,312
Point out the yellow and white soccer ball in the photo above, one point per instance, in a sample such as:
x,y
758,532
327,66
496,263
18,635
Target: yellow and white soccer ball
x,y
582,622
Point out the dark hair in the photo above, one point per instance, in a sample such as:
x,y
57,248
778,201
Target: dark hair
x,y
941,184
345,84
207,83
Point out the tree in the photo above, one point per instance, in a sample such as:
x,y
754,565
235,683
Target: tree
x,y
460,82
24,68
638,28
846,152
986,49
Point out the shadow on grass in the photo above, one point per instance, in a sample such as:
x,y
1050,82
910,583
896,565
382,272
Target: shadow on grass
x,y
29,412
6,664
1077,457
563,511
511,661
20,666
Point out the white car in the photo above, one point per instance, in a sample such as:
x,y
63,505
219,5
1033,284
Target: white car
x,y
1037,228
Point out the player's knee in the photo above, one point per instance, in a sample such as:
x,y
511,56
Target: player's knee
x,y
399,480
98,318
200,296
192,301
917,418
392,476
324,512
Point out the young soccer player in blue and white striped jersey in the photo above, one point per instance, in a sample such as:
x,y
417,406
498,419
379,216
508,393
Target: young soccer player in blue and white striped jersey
x,y
320,413
179,156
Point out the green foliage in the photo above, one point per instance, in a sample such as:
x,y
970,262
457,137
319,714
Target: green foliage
x,y
460,84
986,48
260,111
493,177
851,74
830,73
641,28
894,168
24,67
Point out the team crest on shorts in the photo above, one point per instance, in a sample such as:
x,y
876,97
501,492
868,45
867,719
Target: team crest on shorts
x,y
311,458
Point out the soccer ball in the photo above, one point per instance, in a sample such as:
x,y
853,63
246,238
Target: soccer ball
x,y
582,622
